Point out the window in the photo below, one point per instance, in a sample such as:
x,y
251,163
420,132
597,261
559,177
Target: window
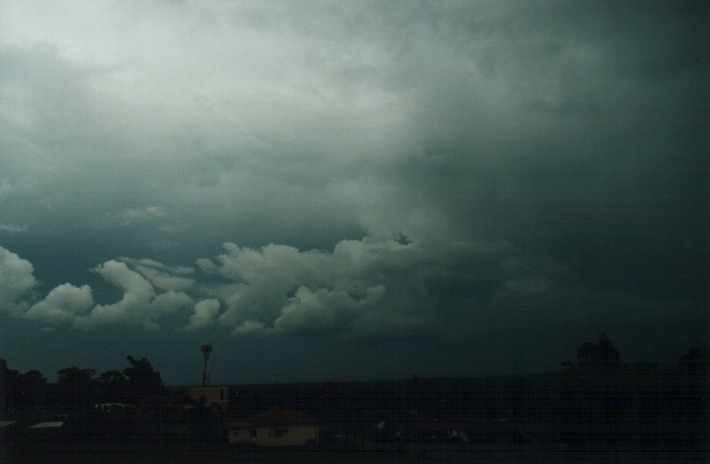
x,y
277,432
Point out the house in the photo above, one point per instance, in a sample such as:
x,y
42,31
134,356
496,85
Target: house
x,y
441,431
115,409
275,427
50,431
215,396
6,430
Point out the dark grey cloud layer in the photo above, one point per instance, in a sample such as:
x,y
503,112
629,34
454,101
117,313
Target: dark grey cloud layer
x,y
470,180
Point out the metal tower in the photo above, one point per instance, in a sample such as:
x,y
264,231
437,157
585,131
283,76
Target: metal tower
x,y
206,350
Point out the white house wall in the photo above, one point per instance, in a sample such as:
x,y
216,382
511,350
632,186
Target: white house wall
x,y
291,435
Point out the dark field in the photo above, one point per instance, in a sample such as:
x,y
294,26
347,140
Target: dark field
x,y
575,418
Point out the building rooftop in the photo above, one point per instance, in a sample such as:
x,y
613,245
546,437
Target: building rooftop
x,y
47,425
274,417
286,416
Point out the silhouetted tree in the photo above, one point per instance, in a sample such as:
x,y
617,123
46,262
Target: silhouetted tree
x,y
143,380
22,391
601,356
112,386
3,388
695,361
570,367
645,367
75,386
112,377
31,388
9,384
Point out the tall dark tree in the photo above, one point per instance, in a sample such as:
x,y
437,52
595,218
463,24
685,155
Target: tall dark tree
x,y
601,356
696,360
608,354
3,388
143,380
10,386
112,376
31,388
76,387
112,386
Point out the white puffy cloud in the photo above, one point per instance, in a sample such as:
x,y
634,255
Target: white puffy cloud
x,y
137,294
391,289
161,276
364,289
62,305
205,314
135,286
169,302
368,290
13,228
253,328
147,213
264,279
16,280
140,304
324,311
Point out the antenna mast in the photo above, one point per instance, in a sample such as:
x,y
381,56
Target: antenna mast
x,y
206,350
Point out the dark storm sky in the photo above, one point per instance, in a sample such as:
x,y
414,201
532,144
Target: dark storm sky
x,y
330,190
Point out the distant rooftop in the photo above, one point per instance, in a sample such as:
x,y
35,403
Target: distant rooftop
x,y
47,425
277,416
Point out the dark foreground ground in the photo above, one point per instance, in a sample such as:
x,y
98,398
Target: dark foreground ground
x,y
232,456
572,418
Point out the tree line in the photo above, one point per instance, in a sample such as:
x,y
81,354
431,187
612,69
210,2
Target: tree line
x,y
78,388
603,357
